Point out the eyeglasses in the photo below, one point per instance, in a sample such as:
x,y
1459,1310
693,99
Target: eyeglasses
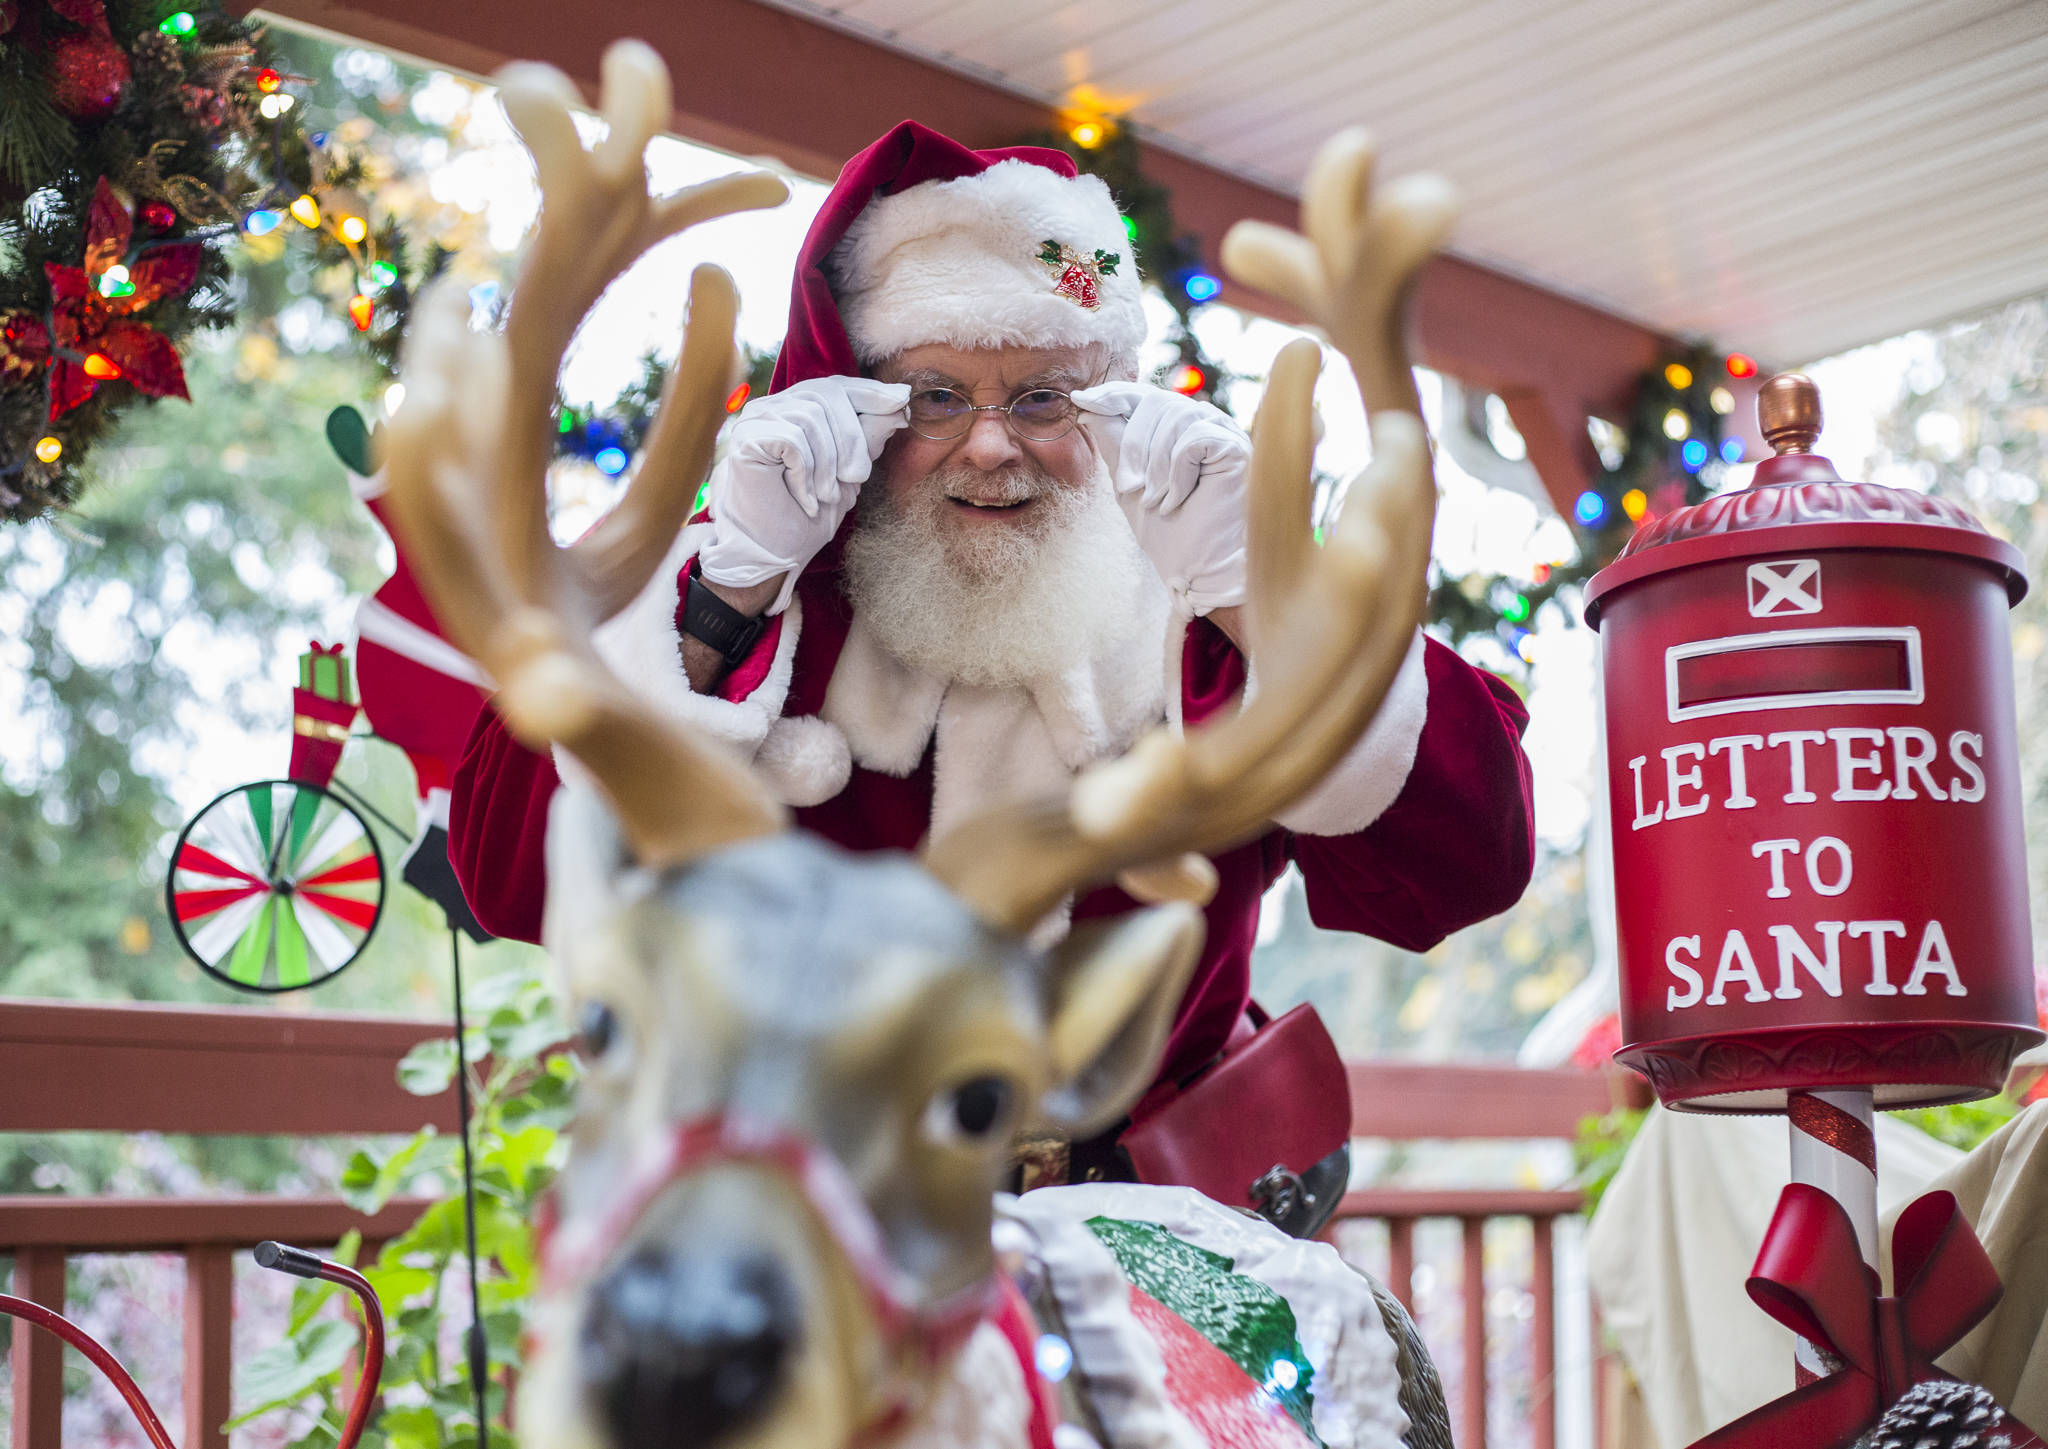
x,y
1041,415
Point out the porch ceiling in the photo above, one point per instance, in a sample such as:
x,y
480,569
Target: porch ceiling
x,y
1788,178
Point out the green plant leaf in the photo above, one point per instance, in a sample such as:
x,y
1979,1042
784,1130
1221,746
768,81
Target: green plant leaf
x,y
523,1152
367,1184
285,1373
429,1068
414,1427
395,1285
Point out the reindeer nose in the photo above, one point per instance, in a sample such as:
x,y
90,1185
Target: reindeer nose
x,y
683,1351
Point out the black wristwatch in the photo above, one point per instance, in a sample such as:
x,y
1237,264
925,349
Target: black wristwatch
x,y
713,621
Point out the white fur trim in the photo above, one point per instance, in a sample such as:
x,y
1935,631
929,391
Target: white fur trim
x,y
804,759
958,262
640,645
1369,777
1357,1382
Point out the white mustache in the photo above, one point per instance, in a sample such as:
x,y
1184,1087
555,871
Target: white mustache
x,y
1010,486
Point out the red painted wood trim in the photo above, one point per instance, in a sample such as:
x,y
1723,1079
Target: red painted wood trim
x,y
1472,1395
127,1068
36,1360
1543,1355
209,1345
1401,1260
1433,1202
1406,1101
152,1225
764,82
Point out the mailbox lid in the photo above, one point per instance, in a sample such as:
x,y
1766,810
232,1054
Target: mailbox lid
x,y
1799,506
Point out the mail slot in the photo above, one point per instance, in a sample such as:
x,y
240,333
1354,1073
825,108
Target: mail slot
x,y
1819,863
1791,668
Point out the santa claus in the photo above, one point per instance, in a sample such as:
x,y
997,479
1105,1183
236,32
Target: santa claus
x,y
957,552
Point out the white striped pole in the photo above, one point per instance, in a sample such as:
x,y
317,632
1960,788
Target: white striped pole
x,y
1834,1148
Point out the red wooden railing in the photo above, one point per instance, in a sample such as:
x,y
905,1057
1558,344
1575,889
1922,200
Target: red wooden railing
x,y
125,1068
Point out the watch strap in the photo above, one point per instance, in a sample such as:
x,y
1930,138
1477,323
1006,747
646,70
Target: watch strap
x,y
711,620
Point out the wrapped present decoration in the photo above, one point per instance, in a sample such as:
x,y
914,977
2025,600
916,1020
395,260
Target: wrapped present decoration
x,y
323,708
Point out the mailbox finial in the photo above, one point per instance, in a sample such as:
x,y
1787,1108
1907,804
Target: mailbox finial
x,y
1788,411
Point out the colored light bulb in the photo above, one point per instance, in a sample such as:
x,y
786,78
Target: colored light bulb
x,y
178,25
273,106
114,282
1740,365
1693,455
737,398
1087,135
1676,424
262,223
1590,508
1200,286
1722,401
1732,450
268,80
1678,375
306,211
49,448
1517,610
1189,380
1635,503
610,461
101,367
360,311
1130,228
383,274
353,228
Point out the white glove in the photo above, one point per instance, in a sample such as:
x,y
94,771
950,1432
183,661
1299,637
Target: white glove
x,y
1179,469
792,469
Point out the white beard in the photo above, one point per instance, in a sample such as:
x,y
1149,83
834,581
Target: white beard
x,y
1030,603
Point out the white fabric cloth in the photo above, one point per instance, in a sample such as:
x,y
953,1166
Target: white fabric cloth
x,y
1357,1380
1672,1244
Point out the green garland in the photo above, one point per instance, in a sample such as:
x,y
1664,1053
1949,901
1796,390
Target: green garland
x,y
139,141
1667,456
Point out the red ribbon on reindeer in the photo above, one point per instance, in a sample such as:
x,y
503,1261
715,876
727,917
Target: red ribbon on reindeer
x,y
1811,1277
323,708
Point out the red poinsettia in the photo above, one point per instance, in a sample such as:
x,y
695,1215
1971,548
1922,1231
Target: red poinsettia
x,y
87,14
93,336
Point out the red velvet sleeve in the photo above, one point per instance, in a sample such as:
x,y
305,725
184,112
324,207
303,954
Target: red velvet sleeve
x,y
498,826
1459,841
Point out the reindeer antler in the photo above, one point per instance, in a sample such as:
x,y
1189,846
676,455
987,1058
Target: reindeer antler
x,y
1329,625
470,447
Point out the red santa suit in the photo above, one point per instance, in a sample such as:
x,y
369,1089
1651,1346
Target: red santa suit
x,y
1423,828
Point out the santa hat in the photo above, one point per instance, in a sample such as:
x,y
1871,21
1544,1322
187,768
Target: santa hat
x,y
923,240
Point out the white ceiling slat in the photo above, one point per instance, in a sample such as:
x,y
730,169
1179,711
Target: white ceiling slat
x,y
1789,176
1755,169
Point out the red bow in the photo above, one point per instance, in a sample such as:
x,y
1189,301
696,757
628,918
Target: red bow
x,y
1811,1277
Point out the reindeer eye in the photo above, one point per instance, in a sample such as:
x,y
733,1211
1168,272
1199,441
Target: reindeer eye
x,y
596,1028
972,1112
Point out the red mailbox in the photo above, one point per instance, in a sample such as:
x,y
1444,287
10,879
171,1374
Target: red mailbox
x,y
1819,863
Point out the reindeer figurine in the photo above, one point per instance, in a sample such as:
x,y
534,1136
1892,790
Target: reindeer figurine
x,y
774,1227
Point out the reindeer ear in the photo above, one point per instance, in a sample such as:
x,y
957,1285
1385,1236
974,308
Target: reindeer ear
x,y
1114,986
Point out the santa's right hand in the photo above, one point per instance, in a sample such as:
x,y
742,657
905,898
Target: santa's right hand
x,y
792,470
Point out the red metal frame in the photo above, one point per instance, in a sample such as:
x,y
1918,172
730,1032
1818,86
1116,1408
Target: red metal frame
x,y
56,1323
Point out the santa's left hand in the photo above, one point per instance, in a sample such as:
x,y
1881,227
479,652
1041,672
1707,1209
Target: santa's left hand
x,y
1179,469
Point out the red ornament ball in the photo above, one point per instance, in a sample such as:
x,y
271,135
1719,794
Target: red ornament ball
x,y
87,75
159,215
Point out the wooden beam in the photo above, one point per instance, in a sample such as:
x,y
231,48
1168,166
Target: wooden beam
x,y
30,1224
36,1357
1409,1101
763,82
128,1068
209,1345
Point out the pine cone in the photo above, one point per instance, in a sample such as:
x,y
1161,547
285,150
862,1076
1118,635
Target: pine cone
x,y
1941,1414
